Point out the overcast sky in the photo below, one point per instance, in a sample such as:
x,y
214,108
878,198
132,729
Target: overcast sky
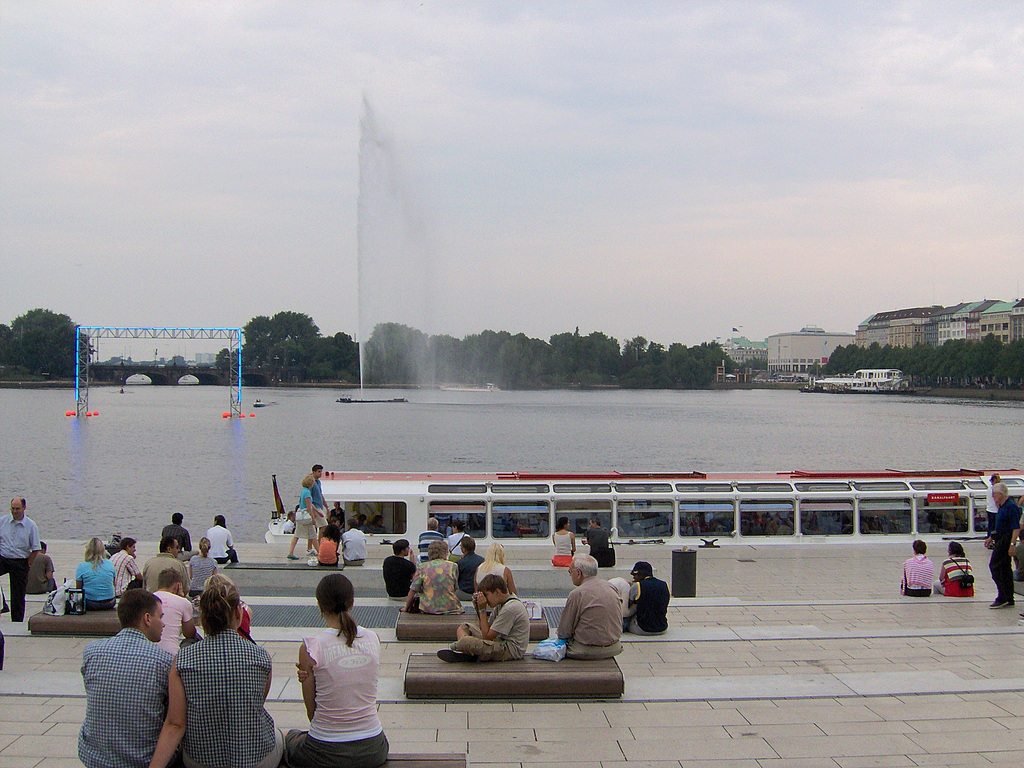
x,y
665,169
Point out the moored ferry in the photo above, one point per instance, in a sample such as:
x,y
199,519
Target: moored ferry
x,y
676,508
876,381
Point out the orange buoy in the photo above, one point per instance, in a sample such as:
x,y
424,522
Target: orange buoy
x,y
225,415
253,416
97,413
69,413
241,415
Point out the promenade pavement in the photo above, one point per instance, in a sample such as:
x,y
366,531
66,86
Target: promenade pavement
x,y
798,656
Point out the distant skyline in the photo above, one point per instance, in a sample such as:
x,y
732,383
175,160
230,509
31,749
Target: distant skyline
x,y
671,170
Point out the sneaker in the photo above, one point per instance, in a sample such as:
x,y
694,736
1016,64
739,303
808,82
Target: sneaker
x,y
1001,604
454,657
293,557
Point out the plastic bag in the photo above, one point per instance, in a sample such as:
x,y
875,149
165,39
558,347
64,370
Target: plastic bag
x,y
550,650
57,601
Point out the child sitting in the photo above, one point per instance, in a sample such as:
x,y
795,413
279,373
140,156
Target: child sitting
x,y
330,537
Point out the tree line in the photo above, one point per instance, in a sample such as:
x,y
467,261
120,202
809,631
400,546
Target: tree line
x,y
957,363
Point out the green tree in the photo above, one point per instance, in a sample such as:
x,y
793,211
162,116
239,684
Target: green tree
x,y
43,343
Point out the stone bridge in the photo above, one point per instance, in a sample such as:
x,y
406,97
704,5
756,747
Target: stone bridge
x,y
168,375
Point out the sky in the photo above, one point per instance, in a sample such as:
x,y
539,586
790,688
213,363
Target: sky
x,y
666,169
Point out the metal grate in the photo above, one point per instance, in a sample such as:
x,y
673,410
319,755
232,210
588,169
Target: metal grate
x,y
553,615
370,616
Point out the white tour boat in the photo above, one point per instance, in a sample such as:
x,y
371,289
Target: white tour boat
x,y
674,508
876,381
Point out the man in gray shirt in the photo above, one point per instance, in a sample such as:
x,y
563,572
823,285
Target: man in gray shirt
x,y
502,637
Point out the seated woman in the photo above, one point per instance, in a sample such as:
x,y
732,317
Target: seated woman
x,y
95,577
494,562
338,671
433,589
955,571
200,568
327,551
918,573
565,544
221,545
216,690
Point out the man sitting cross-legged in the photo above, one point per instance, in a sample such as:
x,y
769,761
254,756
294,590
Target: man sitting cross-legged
x,y
503,637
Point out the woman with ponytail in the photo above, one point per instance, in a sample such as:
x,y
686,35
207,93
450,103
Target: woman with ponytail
x,y
216,690
338,671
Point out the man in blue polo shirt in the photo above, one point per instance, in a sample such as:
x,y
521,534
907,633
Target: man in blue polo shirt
x,y
19,545
648,597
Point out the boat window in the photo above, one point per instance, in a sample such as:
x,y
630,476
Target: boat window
x,y
766,517
472,514
976,485
704,487
508,488
435,488
886,485
942,516
826,517
700,516
885,515
980,507
937,485
520,520
583,488
643,488
1012,482
764,487
579,513
822,487
392,514
644,519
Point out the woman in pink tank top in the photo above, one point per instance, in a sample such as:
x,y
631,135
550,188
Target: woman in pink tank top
x,y
338,671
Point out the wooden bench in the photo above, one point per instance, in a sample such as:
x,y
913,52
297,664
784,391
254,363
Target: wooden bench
x,y
427,677
452,760
93,623
441,628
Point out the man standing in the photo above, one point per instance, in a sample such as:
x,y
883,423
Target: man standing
x,y
429,536
1004,544
125,680
649,596
591,621
399,570
166,560
178,531
317,491
502,637
600,546
19,545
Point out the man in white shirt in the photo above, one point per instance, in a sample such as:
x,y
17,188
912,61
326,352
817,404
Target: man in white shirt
x,y
353,544
19,545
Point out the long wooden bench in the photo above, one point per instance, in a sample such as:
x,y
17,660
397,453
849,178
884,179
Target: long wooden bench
x,y
427,677
452,760
94,623
441,628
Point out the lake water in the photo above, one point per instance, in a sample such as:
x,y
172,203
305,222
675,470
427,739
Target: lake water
x,y
158,450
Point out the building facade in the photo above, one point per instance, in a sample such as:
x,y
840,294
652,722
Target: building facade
x,y
800,351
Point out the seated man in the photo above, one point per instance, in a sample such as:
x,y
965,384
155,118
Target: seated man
x,y
600,545
399,569
503,637
428,537
126,568
468,564
125,680
40,574
181,533
167,559
648,599
591,622
178,614
353,544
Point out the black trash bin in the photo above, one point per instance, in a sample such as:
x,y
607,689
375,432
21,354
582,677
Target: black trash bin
x,y
684,573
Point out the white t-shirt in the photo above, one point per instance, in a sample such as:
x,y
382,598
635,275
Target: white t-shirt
x,y
220,540
177,610
353,545
346,686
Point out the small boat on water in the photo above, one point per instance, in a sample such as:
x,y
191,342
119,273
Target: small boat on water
x,y
866,381
260,404
678,508
359,400
489,387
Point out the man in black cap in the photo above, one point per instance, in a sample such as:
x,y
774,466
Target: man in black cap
x,y
650,598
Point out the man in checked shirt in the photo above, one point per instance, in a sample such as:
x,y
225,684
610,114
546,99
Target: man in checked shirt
x,y
125,687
